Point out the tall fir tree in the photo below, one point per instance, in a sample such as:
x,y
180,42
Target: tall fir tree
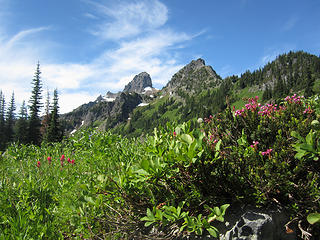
x,y
10,119
21,126
34,134
2,122
46,119
54,133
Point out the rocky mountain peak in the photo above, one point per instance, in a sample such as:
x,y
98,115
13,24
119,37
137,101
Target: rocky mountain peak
x,y
195,64
193,77
139,83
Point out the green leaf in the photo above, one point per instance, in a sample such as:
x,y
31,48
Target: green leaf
x,y
223,208
217,211
218,145
300,154
297,135
186,138
220,218
212,231
307,147
147,224
313,218
89,199
145,164
309,138
150,213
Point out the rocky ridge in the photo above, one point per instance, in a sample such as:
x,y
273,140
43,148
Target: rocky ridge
x,y
139,83
193,78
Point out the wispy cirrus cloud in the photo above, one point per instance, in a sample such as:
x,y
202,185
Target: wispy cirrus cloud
x,y
18,56
129,19
144,43
141,42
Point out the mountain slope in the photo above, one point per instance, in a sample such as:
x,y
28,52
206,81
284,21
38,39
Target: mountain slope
x,y
197,91
193,78
109,110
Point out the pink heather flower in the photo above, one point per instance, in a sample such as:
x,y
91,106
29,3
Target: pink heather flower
x,y
49,160
239,112
62,158
72,161
174,134
308,110
268,152
255,143
69,160
38,164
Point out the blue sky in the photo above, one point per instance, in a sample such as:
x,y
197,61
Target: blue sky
x,y
89,47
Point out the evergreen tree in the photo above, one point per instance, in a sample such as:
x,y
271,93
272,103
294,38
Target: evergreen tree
x,y
54,130
34,134
10,118
2,122
308,83
21,127
267,94
46,118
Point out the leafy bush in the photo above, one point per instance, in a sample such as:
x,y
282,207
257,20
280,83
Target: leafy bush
x,y
264,154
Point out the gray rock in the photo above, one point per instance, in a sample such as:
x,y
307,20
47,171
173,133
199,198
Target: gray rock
x,y
193,78
254,224
139,83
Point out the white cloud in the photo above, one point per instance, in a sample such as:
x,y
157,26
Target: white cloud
x,y
143,43
66,76
150,54
130,18
70,101
18,55
23,34
89,15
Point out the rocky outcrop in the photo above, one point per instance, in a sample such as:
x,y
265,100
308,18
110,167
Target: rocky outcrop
x,y
139,83
256,225
251,223
193,78
111,109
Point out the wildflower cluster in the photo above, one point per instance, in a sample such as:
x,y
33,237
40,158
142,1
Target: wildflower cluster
x,y
267,152
208,120
252,106
269,109
62,158
254,145
308,110
294,99
212,137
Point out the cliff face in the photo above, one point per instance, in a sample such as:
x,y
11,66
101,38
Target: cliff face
x,y
139,83
111,109
193,78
